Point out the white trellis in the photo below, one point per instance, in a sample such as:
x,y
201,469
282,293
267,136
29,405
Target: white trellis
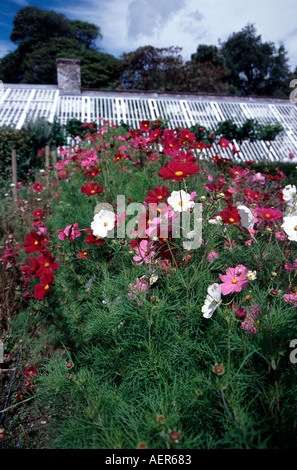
x,y
20,103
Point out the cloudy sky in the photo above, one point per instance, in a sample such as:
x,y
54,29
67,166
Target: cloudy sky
x,y
129,24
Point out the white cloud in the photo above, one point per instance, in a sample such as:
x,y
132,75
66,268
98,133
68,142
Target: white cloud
x,y
21,3
129,24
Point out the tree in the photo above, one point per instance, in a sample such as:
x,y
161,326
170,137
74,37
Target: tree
x,y
42,36
150,68
256,67
208,53
99,70
203,77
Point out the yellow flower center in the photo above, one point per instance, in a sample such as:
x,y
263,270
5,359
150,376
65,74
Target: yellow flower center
x,y
105,224
267,216
180,203
231,220
295,228
179,173
36,243
159,197
46,287
235,281
93,190
46,265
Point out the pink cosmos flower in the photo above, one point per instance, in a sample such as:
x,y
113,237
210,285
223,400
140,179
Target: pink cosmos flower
x,y
234,280
69,232
257,178
144,252
59,166
140,288
291,267
268,214
291,299
251,323
212,255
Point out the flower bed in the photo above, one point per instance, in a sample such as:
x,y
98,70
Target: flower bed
x,y
162,283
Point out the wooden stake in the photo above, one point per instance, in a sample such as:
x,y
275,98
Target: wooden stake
x,y
14,174
47,160
47,156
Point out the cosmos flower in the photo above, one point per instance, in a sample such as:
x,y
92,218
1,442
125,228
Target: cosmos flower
x,y
246,216
180,201
69,232
270,215
177,171
212,301
290,227
144,252
234,280
103,222
91,188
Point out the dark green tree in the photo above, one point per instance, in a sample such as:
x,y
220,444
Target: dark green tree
x,y
42,36
256,67
208,53
150,68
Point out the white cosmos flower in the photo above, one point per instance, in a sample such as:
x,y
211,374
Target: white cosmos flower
x,y
290,193
247,217
153,278
251,275
103,222
180,201
212,301
290,227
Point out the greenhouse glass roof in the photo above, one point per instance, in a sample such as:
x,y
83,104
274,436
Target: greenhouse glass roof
x,y
20,103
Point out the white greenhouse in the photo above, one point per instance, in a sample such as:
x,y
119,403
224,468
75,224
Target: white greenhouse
x,y
20,103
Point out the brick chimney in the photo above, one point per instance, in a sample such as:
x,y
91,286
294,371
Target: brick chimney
x,y
68,75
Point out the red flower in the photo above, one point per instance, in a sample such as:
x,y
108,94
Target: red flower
x,y
224,143
92,173
145,126
36,241
254,195
170,143
154,135
186,136
42,289
30,372
269,215
230,215
29,271
177,171
91,239
91,188
159,195
47,263
37,187
185,157
38,213
82,254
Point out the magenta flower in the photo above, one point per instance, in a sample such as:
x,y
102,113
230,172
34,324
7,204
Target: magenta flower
x,y
291,267
139,289
251,323
257,178
69,232
144,252
212,255
234,280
